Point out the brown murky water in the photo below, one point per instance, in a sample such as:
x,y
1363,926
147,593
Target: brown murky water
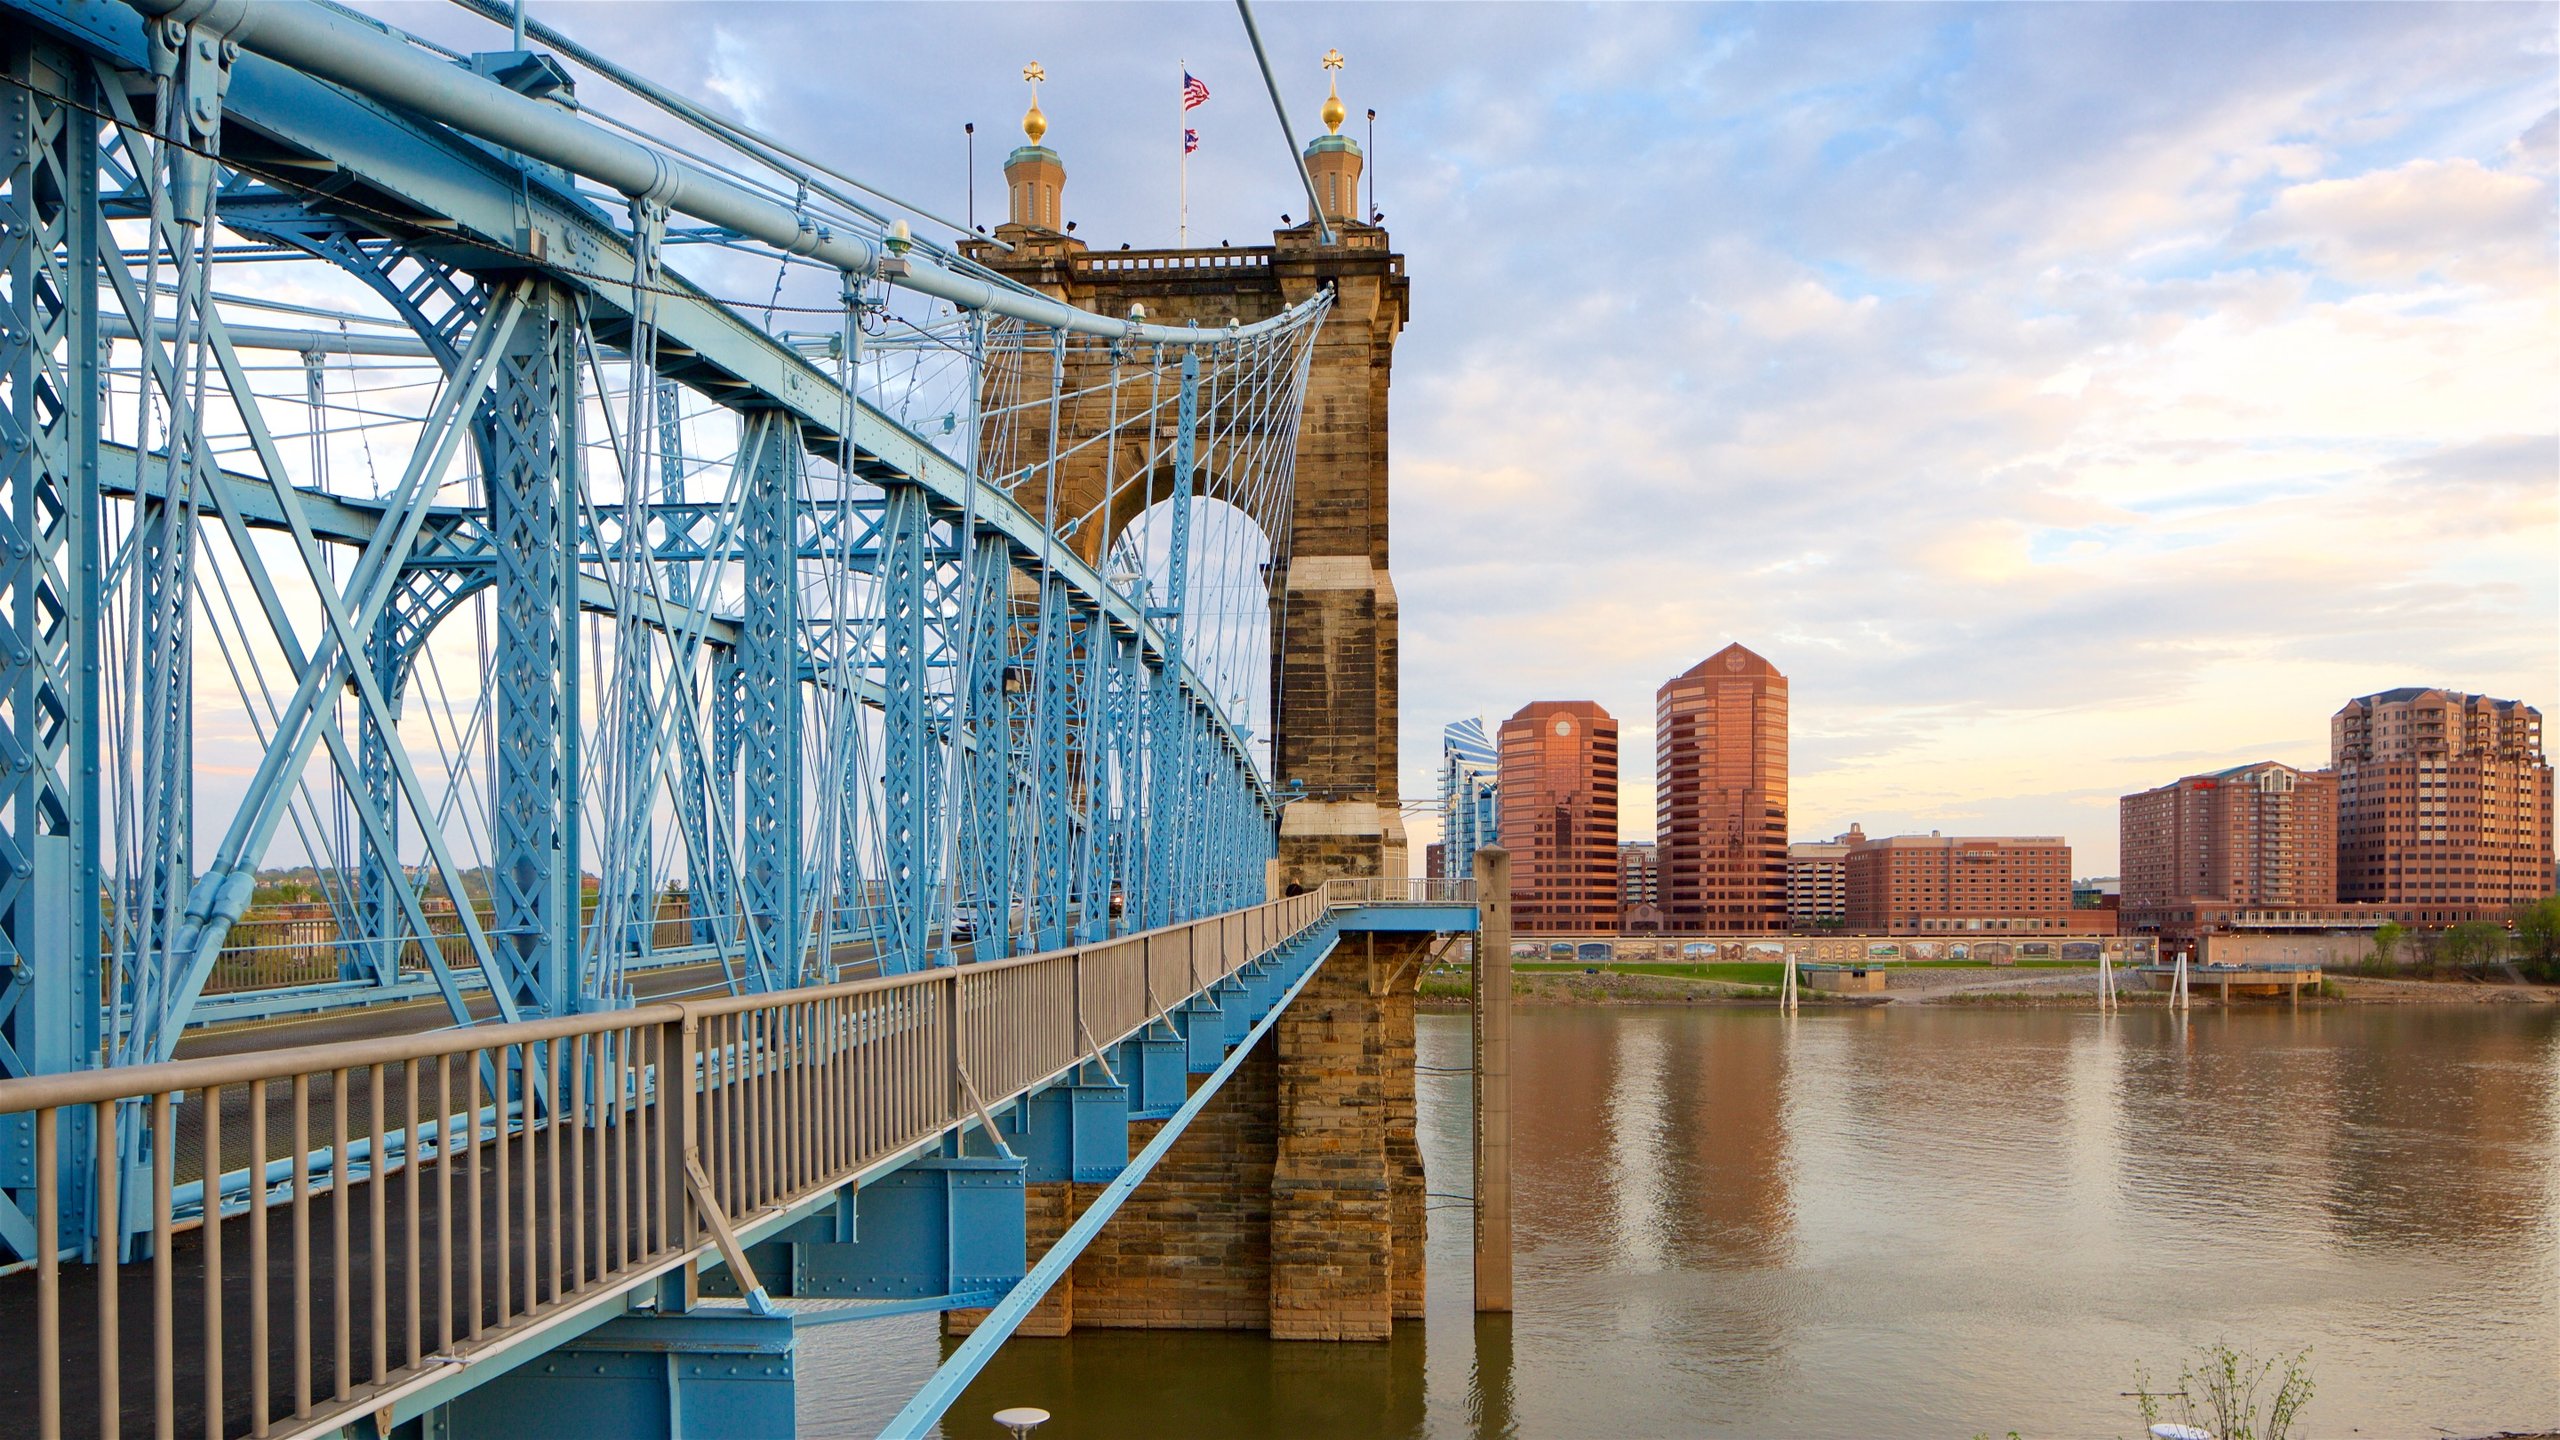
x,y
1907,1223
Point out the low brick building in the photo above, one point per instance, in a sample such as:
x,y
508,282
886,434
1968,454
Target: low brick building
x,y
1818,881
1939,882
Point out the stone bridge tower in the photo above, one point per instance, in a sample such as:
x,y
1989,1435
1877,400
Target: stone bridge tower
x,y
1295,1203
1334,624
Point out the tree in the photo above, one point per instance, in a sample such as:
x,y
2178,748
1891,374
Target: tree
x,y
2386,943
2537,925
2473,942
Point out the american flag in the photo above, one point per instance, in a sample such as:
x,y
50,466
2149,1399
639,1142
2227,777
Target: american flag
x,y
1190,141
1194,93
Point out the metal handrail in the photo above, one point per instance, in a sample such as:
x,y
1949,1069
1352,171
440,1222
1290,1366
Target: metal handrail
x,y
1398,890
509,1173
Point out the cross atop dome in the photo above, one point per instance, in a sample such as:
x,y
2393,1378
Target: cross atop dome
x,y
1034,124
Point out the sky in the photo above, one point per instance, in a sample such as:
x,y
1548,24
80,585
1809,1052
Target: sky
x,y
2067,398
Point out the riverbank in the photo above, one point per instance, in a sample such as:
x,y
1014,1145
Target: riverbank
x,y
2057,987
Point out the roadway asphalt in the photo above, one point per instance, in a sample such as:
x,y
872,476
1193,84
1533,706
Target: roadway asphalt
x,y
408,1017
404,1017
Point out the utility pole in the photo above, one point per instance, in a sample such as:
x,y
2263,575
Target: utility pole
x,y
970,129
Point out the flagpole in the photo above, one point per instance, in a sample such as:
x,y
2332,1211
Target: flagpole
x,y
1182,138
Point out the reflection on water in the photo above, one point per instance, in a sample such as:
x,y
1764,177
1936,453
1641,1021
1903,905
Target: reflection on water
x,y
1906,1222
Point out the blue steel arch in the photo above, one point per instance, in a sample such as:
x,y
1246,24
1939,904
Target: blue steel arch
x,y
1048,766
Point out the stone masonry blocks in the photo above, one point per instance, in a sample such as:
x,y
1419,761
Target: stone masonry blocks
x,y
1293,1204
1191,1248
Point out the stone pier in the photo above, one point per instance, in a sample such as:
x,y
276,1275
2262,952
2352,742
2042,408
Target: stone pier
x,y
1293,1204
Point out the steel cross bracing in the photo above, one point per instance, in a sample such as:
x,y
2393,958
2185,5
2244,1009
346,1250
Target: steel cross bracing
x,y
521,616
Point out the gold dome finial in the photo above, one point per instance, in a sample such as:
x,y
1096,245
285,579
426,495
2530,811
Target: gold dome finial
x,y
1334,113
1034,124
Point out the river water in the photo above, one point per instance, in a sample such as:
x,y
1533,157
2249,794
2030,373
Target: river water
x,y
1906,1222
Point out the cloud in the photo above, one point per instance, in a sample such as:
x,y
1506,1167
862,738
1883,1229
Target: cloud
x,y
1804,308
733,75
2538,148
2048,389
2455,217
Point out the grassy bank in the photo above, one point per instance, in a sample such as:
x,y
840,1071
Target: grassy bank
x,y
2037,984
1771,972
1571,985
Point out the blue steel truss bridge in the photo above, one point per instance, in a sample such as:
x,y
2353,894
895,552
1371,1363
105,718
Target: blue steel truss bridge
x,y
589,722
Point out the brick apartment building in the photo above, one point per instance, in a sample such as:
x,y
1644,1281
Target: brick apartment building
x,y
2263,834
1639,886
2444,804
1558,786
1963,882
1720,802
1639,873
1818,881
2247,847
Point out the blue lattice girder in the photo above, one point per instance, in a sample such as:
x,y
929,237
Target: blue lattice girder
x,y
1171,804
50,840
728,710
986,770
769,706
377,956
166,979
1050,752
906,778
531,437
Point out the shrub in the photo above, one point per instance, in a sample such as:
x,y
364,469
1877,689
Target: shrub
x,y
2219,1390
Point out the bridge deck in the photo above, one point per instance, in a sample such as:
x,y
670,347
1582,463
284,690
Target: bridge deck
x,y
406,1248
424,1264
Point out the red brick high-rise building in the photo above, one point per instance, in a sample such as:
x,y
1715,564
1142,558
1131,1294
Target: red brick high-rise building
x,y
2253,847
2444,804
1720,802
1558,780
2263,834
